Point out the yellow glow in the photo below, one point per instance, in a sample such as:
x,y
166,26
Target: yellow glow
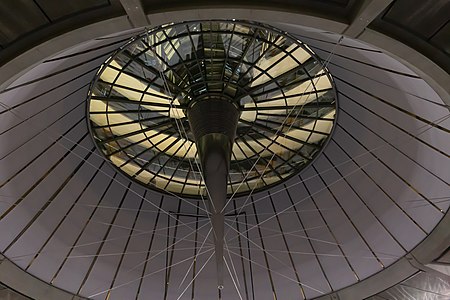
x,y
274,145
101,120
286,64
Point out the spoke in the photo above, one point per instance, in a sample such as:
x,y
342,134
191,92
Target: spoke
x,y
129,122
122,99
262,54
183,62
289,96
129,88
195,257
174,72
295,151
153,70
147,275
387,257
312,117
360,167
196,275
268,163
209,247
259,121
276,79
17,257
258,246
273,65
279,133
291,233
275,142
123,136
242,173
231,275
307,105
227,56
164,167
275,272
241,60
232,264
135,157
134,75
122,148
150,161
195,54
167,248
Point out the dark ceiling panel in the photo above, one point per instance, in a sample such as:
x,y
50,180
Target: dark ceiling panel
x,y
55,10
442,38
17,18
424,18
315,3
337,9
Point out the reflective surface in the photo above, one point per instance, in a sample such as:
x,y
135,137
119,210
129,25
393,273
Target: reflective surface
x,y
139,102
421,286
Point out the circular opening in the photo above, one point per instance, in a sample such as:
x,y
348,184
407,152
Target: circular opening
x,y
139,100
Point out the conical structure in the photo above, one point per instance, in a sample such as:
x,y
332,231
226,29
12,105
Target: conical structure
x,y
214,123
213,119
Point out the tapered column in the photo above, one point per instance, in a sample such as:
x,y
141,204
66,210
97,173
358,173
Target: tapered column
x,y
213,122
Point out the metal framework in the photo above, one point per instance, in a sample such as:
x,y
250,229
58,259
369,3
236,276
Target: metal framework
x,y
139,100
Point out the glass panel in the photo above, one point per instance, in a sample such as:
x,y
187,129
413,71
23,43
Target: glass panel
x,y
140,101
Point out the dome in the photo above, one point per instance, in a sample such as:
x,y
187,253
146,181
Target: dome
x,y
337,184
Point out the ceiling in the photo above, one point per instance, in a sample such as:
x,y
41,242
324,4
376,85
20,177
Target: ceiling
x,y
379,190
424,25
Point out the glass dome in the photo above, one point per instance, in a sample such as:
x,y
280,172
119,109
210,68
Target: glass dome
x,y
139,100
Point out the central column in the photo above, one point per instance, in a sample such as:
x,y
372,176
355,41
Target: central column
x,y
213,121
